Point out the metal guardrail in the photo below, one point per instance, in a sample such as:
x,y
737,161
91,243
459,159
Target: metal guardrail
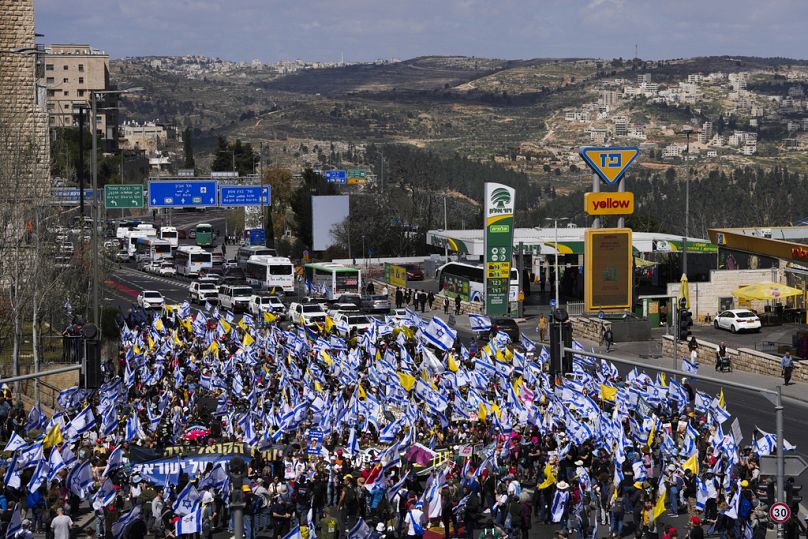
x,y
575,309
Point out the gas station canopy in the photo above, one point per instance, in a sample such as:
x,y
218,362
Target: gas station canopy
x,y
542,241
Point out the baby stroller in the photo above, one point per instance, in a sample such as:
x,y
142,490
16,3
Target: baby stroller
x,y
722,363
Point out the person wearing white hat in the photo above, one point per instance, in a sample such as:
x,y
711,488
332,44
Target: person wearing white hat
x,y
415,521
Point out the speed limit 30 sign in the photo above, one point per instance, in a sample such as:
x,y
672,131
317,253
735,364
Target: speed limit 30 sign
x,y
779,513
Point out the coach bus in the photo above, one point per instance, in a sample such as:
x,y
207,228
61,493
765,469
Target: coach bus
x,y
204,235
332,280
152,249
191,259
169,233
270,273
246,252
466,280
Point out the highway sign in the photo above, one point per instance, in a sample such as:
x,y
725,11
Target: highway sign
x,y
70,197
609,163
123,196
243,195
183,194
793,465
336,176
779,512
356,176
552,304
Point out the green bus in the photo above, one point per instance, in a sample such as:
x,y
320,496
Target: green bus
x,y
204,235
332,280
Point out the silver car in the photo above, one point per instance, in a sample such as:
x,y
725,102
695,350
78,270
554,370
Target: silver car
x,y
378,303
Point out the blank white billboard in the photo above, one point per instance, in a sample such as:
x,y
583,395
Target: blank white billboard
x,y
327,211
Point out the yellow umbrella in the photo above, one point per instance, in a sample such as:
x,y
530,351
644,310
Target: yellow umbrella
x,y
765,291
684,291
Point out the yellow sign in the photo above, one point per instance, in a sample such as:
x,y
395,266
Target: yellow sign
x,y
609,203
498,270
395,275
609,163
608,269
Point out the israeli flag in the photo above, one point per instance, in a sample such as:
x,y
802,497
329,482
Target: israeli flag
x,y
479,322
187,500
36,419
15,442
529,345
360,530
440,335
114,462
294,533
15,524
105,495
185,310
80,478
132,427
55,463
559,504
687,366
353,443
39,476
120,526
82,423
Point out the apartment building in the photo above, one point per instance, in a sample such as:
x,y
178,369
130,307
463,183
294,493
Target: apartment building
x,y
71,72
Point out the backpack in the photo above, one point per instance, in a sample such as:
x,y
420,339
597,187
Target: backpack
x,y
417,528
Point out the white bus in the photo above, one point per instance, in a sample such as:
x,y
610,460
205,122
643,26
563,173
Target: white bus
x,y
130,238
152,249
271,273
124,228
466,280
191,259
169,233
248,251
332,280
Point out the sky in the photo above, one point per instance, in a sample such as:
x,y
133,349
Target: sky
x,y
322,30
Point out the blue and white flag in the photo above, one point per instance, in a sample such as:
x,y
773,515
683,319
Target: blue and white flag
x,y
360,530
687,366
559,504
15,524
105,495
187,500
15,442
120,526
39,476
114,462
438,334
80,478
529,345
83,422
294,533
132,427
36,419
55,463
479,322
353,443
190,523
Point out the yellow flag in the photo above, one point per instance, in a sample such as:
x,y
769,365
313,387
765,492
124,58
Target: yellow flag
x,y
659,506
378,355
186,323
508,354
407,380
214,346
663,380
158,325
151,343
225,325
326,358
608,393
482,412
329,323
177,338
360,392
692,464
501,358
137,350
242,324
269,317
549,478
651,434
317,386
721,398
451,363
53,437
248,340
495,410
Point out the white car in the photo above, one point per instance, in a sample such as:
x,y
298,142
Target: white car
x,y
737,320
273,304
150,299
338,308
306,314
356,324
202,291
166,268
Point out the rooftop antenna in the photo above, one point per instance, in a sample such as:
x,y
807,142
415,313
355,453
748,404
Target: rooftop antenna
x,y
636,50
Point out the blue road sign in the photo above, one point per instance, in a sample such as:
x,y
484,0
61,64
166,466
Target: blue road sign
x,y
610,163
183,194
243,195
552,304
257,236
336,176
600,315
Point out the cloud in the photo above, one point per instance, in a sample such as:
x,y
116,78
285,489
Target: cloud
x,y
367,29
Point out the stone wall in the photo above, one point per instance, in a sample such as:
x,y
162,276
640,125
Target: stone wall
x,y
742,359
590,329
24,141
704,297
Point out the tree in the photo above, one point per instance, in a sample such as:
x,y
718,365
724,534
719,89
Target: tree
x,y
187,149
278,215
234,156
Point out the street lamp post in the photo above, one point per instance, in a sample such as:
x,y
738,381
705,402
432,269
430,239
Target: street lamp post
x,y
555,221
96,209
687,130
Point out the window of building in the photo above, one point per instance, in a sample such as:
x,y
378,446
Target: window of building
x,y
81,68
64,67
49,67
64,80
81,93
66,93
49,80
81,80
51,93
50,106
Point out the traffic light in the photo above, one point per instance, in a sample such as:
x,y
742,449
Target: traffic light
x,y
560,363
685,321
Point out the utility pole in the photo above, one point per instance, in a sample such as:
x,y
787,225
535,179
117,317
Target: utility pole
x,y
686,130
445,231
96,312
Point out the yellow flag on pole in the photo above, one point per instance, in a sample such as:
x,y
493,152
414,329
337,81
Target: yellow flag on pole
x,y
692,464
721,398
659,506
608,393
326,358
329,324
53,437
269,317
549,478
247,340
360,392
407,380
